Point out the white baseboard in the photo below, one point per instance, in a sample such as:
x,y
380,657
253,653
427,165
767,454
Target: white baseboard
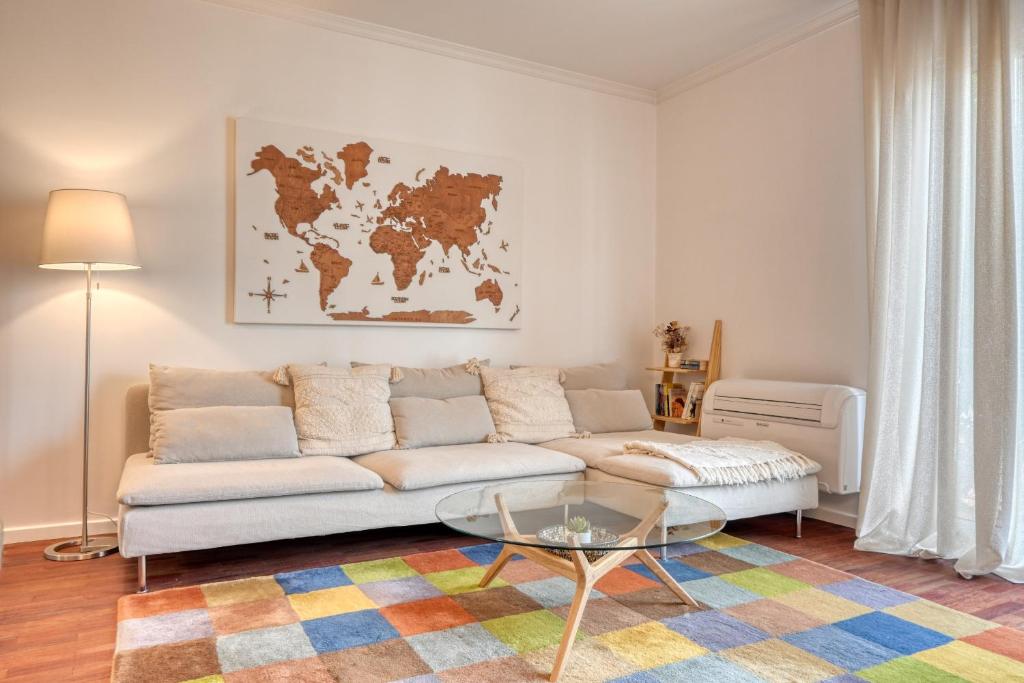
x,y
834,516
56,532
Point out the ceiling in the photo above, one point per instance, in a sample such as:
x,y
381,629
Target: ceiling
x,y
645,44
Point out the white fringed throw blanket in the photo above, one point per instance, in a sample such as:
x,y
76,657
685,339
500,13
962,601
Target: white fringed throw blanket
x,y
729,460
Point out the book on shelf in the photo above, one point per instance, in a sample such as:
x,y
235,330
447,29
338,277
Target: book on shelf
x,y
694,399
677,401
670,399
663,397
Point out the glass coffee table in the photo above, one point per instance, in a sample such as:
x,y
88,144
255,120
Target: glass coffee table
x,y
580,530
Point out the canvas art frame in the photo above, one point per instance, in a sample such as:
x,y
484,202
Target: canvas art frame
x,y
336,228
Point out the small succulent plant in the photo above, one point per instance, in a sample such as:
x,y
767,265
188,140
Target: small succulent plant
x,y
578,525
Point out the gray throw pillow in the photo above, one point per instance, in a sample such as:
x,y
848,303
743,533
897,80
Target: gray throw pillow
x,y
218,433
421,422
436,382
599,410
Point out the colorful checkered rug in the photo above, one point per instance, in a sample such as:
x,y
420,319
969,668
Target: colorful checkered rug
x,y
768,616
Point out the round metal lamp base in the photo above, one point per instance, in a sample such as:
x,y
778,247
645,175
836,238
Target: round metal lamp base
x,y
70,551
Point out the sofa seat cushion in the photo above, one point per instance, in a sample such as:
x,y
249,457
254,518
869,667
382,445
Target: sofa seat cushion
x,y
649,469
420,468
143,482
602,452
600,446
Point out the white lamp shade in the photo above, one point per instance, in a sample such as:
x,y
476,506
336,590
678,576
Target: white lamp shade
x,y
88,228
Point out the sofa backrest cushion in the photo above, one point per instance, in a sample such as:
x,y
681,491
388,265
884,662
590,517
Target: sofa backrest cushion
x,y
421,422
456,380
601,410
528,404
607,376
222,433
171,388
136,419
610,376
342,411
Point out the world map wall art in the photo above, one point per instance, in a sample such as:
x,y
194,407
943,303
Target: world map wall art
x,y
335,228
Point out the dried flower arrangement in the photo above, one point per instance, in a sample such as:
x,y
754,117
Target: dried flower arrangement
x,y
672,336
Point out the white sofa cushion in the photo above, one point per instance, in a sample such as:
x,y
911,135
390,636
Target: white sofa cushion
x,y
649,469
527,404
603,410
144,482
342,411
220,433
424,467
601,446
603,452
421,422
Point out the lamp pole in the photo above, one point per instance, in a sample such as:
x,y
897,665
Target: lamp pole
x,y
100,545
85,422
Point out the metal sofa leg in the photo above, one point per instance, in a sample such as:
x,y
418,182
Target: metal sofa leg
x,y
799,523
664,538
143,585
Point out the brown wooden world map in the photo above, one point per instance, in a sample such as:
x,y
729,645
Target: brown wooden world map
x,y
446,209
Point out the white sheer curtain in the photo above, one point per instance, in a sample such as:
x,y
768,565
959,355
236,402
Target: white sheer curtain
x,y
944,443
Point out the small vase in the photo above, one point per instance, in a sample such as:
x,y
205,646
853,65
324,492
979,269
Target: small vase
x,y
673,360
578,538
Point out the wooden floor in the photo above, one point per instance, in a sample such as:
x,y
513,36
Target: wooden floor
x,y
57,620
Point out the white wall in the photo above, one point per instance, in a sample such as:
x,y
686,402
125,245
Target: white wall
x,y
136,95
761,215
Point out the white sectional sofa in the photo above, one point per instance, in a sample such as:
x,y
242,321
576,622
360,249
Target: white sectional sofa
x,y
166,508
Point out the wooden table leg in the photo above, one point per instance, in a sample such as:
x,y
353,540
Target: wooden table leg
x,y
580,569
584,582
665,577
499,563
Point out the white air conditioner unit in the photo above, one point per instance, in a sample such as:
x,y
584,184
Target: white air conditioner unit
x,y
825,422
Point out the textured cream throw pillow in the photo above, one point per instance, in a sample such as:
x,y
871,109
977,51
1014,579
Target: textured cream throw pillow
x,y
342,411
528,404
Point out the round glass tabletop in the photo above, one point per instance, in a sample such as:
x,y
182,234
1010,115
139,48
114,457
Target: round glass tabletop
x,y
580,515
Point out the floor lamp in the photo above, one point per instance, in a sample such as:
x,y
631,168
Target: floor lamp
x,y
87,230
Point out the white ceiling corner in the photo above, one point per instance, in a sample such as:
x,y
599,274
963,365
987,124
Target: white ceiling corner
x,y
646,50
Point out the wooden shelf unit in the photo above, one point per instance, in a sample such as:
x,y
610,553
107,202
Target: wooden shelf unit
x,y
711,374
675,420
675,371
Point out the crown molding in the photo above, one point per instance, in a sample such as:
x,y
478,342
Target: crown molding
x,y
444,48
760,50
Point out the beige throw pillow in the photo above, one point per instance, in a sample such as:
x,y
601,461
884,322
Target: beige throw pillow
x,y
342,411
421,422
527,404
599,410
220,433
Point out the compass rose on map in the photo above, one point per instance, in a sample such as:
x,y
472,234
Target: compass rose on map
x,y
269,295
